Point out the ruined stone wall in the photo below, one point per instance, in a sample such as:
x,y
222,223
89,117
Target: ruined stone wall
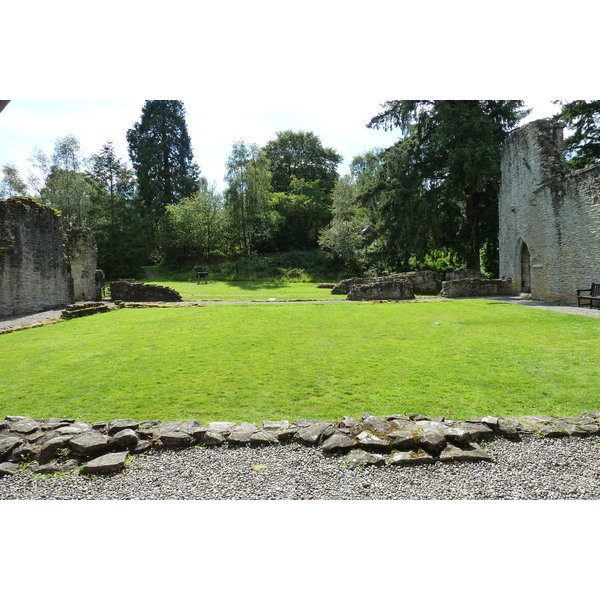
x,y
83,259
549,220
34,272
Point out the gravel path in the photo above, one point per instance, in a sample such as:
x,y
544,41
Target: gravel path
x,y
48,316
532,469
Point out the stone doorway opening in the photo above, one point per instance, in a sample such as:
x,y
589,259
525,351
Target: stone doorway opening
x,y
525,263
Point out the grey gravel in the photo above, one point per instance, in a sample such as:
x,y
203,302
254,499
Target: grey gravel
x,y
531,469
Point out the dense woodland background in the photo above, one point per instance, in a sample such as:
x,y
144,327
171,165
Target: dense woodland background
x,y
427,201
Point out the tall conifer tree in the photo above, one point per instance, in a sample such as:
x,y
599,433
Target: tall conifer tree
x,y
161,154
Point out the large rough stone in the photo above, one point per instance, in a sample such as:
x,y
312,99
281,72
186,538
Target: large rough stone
x,y
242,433
430,440
338,442
55,466
8,468
403,438
359,458
368,441
52,448
222,427
8,444
313,434
74,429
174,439
508,429
262,438
213,438
22,453
89,444
126,438
376,424
120,424
108,463
413,457
24,426
472,453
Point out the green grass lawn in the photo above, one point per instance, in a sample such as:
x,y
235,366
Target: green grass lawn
x,y
248,290
268,361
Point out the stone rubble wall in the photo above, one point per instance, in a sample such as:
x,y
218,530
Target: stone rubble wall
x,y
130,291
34,270
474,288
387,289
83,259
63,445
555,214
421,282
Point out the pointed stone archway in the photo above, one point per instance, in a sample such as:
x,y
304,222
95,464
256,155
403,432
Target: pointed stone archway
x,y
524,268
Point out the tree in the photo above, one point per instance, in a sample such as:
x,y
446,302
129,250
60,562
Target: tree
x,y
247,196
345,235
582,146
303,177
12,184
119,228
63,184
437,186
161,154
300,154
194,229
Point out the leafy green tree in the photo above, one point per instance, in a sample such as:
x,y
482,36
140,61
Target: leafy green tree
x,y
194,229
303,177
301,155
161,154
247,196
120,230
582,118
344,237
12,184
61,182
437,187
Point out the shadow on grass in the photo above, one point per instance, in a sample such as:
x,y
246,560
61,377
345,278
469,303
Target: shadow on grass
x,y
255,285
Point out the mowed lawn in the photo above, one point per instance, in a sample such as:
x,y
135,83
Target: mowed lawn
x,y
249,290
457,359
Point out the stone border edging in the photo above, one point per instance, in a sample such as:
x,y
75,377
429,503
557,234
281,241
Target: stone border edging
x,y
63,445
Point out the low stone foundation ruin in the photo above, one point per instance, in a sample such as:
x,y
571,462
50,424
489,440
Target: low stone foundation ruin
x,y
419,282
129,291
385,289
473,288
63,445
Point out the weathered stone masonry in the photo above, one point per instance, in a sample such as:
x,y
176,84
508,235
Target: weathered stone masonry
x,y
549,219
40,267
34,272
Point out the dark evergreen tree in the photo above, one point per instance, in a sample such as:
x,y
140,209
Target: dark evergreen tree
x,y
161,154
582,118
437,187
120,229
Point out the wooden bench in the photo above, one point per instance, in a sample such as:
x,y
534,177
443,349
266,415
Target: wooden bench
x,y
201,275
593,293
